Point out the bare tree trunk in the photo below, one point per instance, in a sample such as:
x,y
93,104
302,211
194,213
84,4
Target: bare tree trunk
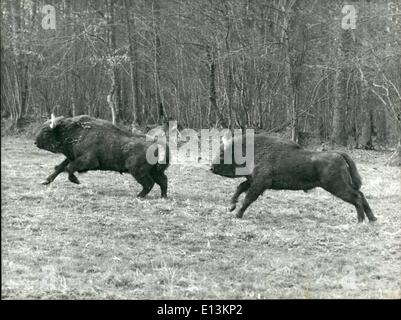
x,y
295,49
115,91
133,56
157,56
214,112
75,101
341,95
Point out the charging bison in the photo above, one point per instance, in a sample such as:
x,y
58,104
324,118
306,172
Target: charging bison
x,y
280,164
95,144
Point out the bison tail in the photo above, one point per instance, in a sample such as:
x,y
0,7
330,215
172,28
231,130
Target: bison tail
x,y
355,177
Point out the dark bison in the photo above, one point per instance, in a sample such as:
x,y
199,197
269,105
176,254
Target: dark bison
x,y
281,164
95,144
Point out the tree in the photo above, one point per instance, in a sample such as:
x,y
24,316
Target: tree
x,y
342,87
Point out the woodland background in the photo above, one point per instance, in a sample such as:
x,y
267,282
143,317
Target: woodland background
x,y
280,65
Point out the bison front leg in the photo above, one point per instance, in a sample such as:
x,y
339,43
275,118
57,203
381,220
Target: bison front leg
x,y
81,164
350,195
256,188
243,187
57,170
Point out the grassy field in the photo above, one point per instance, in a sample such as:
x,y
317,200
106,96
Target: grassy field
x,y
96,240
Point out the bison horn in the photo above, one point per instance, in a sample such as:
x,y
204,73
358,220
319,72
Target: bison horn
x,y
53,121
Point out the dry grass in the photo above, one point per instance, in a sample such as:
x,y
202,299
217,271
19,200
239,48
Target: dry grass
x,y
96,240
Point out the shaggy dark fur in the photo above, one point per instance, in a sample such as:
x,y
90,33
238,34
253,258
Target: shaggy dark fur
x,y
95,144
282,164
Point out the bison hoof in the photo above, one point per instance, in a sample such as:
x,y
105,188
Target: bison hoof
x,y
239,215
232,207
74,179
45,182
372,219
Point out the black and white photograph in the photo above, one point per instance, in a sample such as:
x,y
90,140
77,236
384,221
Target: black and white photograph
x,y
200,150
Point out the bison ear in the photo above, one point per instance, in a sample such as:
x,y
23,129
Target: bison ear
x,y
54,121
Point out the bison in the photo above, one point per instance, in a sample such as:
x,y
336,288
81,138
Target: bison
x,y
94,144
284,165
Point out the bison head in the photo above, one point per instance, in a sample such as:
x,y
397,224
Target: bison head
x,y
47,136
223,164
231,161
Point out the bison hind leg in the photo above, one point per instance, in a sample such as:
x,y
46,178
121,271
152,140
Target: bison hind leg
x,y
242,187
367,209
161,179
350,195
147,183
